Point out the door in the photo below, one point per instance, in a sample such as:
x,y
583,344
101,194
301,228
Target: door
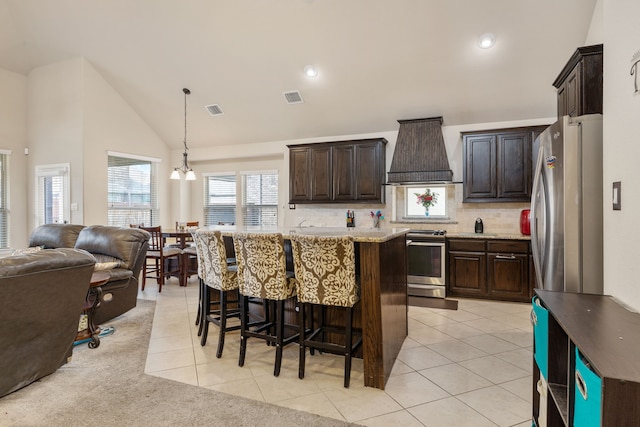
x,y
52,194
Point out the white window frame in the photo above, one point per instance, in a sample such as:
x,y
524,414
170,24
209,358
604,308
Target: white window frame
x,y
153,209
62,170
412,210
5,212
206,205
265,220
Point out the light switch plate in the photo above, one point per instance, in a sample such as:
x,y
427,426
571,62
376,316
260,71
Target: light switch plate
x,y
617,196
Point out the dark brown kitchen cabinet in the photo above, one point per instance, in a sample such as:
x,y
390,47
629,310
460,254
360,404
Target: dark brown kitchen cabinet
x,y
508,270
337,172
579,83
492,269
310,174
467,268
498,164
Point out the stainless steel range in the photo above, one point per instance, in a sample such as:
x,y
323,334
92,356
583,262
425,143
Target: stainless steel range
x,y
426,263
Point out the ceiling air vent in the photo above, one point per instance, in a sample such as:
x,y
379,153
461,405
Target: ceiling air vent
x,y
214,109
293,97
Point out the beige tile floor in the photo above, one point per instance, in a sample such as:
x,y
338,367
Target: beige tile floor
x,y
469,367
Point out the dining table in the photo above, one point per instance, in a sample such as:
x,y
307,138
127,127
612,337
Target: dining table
x,y
182,236
382,313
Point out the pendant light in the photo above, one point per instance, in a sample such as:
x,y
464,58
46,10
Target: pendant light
x,y
184,168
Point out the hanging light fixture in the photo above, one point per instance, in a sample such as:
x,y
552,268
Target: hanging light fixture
x,y
184,168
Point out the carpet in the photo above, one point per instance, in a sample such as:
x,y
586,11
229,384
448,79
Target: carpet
x,y
107,387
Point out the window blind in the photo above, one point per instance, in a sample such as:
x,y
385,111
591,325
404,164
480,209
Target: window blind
x,y
4,201
260,199
132,190
219,199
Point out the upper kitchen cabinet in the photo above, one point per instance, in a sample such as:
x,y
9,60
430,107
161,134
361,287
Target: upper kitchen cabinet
x,y
337,172
579,83
498,164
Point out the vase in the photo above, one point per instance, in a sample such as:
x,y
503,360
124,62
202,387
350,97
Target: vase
x,y
426,212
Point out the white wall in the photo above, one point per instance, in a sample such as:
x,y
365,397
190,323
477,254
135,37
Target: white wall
x,y
75,116
13,136
621,150
110,124
596,29
54,127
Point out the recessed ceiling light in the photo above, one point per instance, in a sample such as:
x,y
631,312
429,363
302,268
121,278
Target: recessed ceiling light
x,y
486,41
310,71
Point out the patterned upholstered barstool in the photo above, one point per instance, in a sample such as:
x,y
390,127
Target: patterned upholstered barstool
x,y
326,276
216,274
262,274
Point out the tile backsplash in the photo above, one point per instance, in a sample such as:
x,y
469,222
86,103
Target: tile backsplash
x,y
500,218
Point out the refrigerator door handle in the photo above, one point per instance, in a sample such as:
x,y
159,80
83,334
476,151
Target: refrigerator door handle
x,y
535,247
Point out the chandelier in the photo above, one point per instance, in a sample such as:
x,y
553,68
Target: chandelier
x,y
184,168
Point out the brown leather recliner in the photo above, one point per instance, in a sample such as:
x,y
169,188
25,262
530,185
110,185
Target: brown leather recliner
x,y
52,236
128,246
119,250
41,298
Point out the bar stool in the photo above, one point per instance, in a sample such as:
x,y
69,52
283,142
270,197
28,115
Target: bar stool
x,y
326,276
215,273
262,274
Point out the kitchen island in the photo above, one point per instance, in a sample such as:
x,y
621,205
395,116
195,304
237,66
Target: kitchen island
x,y
382,311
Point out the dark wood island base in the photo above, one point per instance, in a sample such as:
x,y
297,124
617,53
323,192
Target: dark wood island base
x,y
382,313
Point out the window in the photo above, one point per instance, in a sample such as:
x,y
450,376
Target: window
x,y
260,198
132,190
219,199
4,199
414,209
52,194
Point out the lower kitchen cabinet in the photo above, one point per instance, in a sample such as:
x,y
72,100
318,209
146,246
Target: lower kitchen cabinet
x,y
467,268
586,370
492,269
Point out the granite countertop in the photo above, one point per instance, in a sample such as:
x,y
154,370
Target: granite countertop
x,y
359,234
471,235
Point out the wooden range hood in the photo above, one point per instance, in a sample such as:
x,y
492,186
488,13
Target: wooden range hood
x,y
420,155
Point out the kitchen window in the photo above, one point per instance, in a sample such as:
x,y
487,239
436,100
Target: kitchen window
x,y
260,198
219,199
413,209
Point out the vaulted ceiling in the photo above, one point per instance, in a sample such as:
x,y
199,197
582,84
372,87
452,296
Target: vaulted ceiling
x,y
378,60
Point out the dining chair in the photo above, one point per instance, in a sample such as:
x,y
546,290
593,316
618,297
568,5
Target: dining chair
x,y
326,276
215,273
161,257
189,255
262,275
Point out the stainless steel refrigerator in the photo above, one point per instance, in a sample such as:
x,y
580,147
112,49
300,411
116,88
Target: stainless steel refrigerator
x,y
567,206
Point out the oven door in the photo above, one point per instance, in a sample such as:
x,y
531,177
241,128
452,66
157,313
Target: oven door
x,y
426,268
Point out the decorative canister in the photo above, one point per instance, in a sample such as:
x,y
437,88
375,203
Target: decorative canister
x,y
525,222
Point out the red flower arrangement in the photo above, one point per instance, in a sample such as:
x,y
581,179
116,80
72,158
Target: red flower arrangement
x,y
427,199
